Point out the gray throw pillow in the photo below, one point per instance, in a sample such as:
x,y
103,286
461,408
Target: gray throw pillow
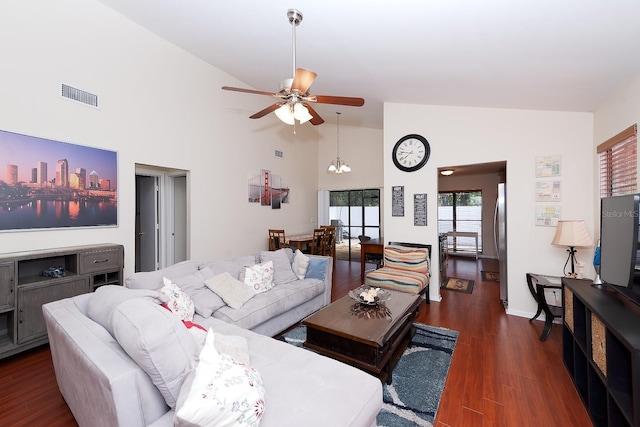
x,y
158,342
106,298
282,272
204,300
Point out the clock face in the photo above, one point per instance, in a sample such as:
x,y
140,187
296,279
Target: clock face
x,y
411,153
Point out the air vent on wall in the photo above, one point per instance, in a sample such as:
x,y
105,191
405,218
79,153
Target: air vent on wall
x,y
79,95
279,153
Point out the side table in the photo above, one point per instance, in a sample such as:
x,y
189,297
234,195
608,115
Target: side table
x,y
538,284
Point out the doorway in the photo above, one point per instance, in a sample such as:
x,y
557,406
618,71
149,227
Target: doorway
x,y
472,203
161,223
354,213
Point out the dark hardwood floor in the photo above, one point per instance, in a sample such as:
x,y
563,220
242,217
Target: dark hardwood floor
x,y
500,375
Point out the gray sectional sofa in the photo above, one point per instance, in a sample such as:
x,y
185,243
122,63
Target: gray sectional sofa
x,y
104,386
268,313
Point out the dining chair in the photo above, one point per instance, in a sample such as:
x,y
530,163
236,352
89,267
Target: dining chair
x,y
316,243
329,241
276,239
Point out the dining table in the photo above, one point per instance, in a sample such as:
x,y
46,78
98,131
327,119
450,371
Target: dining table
x,y
300,241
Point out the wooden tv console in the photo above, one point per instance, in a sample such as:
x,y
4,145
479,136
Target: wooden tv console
x,y
23,289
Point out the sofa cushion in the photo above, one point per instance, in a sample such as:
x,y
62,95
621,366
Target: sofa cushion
x,y
304,388
231,266
267,305
259,277
317,268
178,301
220,392
300,264
282,272
205,301
153,279
158,342
232,291
108,297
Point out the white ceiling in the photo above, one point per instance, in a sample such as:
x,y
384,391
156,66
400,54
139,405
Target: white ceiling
x,y
563,55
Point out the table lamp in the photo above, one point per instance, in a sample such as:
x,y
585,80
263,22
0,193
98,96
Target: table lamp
x,y
574,234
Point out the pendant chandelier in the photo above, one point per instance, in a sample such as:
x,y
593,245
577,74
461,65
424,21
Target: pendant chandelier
x,y
338,165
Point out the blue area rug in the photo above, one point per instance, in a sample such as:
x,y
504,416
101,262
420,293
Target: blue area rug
x,y
418,379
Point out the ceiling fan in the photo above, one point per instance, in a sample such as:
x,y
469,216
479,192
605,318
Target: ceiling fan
x,y
294,97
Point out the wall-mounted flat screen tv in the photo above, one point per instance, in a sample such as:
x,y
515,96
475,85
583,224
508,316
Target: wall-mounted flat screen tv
x,y
619,256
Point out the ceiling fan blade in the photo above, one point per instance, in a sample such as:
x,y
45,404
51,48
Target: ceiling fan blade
x,y
316,120
302,80
256,92
266,111
339,100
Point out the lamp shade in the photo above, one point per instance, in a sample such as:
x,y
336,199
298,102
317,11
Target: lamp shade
x,y
573,234
285,114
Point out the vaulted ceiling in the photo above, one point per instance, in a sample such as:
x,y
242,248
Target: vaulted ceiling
x,y
568,55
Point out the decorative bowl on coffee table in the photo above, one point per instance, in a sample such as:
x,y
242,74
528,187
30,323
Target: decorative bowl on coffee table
x,y
368,295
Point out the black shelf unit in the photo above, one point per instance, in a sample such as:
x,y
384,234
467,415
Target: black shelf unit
x,y
601,351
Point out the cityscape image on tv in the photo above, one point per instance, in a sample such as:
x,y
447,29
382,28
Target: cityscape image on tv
x,y
52,184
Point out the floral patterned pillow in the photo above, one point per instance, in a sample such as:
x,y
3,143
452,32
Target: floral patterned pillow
x,y
179,302
260,276
220,391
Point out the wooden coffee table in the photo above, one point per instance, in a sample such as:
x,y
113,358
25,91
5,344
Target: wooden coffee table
x,y
371,338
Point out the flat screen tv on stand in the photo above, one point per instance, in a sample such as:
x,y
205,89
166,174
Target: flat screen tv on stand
x,y
619,256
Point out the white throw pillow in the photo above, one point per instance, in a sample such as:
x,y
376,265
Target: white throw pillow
x,y
179,302
220,392
232,291
259,277
300,264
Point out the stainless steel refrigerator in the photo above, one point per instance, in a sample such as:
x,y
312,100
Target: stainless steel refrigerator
x,y
500,239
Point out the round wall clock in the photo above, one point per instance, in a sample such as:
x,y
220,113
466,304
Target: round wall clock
x,y
411,152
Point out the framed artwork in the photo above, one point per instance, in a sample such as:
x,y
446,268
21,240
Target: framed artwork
x,y
547,215
547,166
420,209
548,191
397,200
268,189
53,184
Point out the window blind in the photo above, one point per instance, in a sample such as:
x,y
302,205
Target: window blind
x,y
618,163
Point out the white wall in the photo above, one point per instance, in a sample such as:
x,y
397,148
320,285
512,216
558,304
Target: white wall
x,y
159,106
463,135
361,148
618,113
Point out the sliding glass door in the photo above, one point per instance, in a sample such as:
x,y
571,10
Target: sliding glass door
x,y
355,213
461,211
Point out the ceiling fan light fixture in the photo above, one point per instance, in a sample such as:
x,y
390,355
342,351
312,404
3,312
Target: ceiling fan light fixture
x,y
301,113
285,114
294,93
